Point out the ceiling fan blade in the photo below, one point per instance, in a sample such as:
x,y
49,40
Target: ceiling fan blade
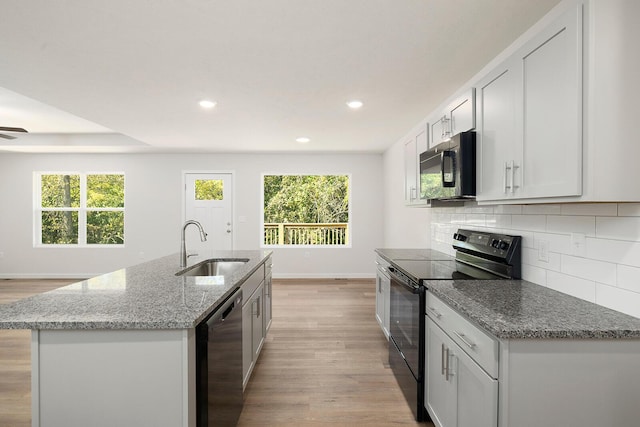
x,y
9,129
7,136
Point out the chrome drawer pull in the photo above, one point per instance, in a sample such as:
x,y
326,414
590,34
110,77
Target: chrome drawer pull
x,y
464,340
435,313
442,359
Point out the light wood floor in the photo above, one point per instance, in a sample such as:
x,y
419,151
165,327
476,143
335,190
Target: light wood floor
x,y
324,361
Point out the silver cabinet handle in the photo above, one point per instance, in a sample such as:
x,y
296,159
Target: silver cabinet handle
x,y
435,313
446,365
504,178
442,362
463,337
513,175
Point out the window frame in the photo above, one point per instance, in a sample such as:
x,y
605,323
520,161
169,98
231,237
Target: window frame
x,y
349,243
82,210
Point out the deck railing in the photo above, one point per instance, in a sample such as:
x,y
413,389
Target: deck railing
x,y
334,234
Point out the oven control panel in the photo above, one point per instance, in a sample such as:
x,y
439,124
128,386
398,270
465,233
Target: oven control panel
x,y
495,245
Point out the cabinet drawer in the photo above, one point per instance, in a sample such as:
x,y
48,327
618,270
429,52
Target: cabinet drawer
x,y
480,346
252,283
268,265
382,264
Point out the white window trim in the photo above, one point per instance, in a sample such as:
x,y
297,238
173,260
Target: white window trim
x,y
82,210
261,207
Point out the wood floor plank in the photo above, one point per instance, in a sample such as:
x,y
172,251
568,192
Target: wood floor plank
x,y
324,362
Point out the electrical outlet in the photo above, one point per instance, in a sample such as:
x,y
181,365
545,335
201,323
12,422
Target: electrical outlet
x,y
543,251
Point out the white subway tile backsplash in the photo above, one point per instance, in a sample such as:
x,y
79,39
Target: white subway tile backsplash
x,y
559,243
616,251
590,209
600,271
629,209
529,222
530,257
479,209
475,220
498,221
534,274
629,278
571,224
619,228
458,218
542,209
618,299
507,209
580,288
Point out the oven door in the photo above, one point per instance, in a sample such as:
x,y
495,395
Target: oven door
x,y
406,299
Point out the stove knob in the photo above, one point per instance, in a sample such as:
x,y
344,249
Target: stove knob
x,y
503,246
494,243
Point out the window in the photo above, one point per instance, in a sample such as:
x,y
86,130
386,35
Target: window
x,y
306,210
79,209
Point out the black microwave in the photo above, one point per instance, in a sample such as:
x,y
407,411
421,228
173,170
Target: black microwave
x,y
448,170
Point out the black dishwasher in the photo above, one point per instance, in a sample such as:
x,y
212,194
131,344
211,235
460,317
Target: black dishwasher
x,y
219,365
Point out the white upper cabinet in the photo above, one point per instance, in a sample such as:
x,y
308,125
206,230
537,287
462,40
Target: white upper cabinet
x,y
415,143
530,117
458,116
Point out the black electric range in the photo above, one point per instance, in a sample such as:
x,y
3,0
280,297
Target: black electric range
x,y
480,256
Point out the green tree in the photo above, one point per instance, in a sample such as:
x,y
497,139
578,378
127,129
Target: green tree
x,y
306,198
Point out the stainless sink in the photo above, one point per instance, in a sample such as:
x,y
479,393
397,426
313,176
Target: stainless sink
x,y
214,267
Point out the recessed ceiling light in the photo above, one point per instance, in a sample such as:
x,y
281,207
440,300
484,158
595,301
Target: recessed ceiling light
x,y
303,140
205,103
355,104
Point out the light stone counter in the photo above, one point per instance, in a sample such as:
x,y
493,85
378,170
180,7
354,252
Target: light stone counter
x,y
144,296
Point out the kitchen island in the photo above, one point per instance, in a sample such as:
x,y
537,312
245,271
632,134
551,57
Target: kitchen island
x,y
119,349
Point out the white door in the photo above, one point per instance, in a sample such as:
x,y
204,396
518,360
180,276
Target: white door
x,y
208,200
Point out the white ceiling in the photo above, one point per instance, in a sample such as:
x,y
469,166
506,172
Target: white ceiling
x,y
127,75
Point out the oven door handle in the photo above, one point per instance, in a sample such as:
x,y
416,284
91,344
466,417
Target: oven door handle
x,y
401,281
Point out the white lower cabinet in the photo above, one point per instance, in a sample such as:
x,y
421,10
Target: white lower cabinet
x,y
458,392
255,315
474,379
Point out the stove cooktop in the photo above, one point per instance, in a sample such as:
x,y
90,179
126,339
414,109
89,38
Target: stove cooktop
x,y
442,270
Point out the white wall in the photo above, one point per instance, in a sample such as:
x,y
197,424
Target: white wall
x,y
154,211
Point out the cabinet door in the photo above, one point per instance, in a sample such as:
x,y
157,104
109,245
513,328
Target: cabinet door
x,y
247,342
379,300
268,310
477,392
410,171
440,389
440,129
497,139
257,323
552,105
463,113
386,290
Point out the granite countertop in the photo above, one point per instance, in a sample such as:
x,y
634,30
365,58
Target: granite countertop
x,y
144,296
517,309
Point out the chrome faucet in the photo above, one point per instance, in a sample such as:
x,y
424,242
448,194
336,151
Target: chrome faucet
x,y
183,245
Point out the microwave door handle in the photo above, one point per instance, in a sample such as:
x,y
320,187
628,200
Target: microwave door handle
x,y
448,154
